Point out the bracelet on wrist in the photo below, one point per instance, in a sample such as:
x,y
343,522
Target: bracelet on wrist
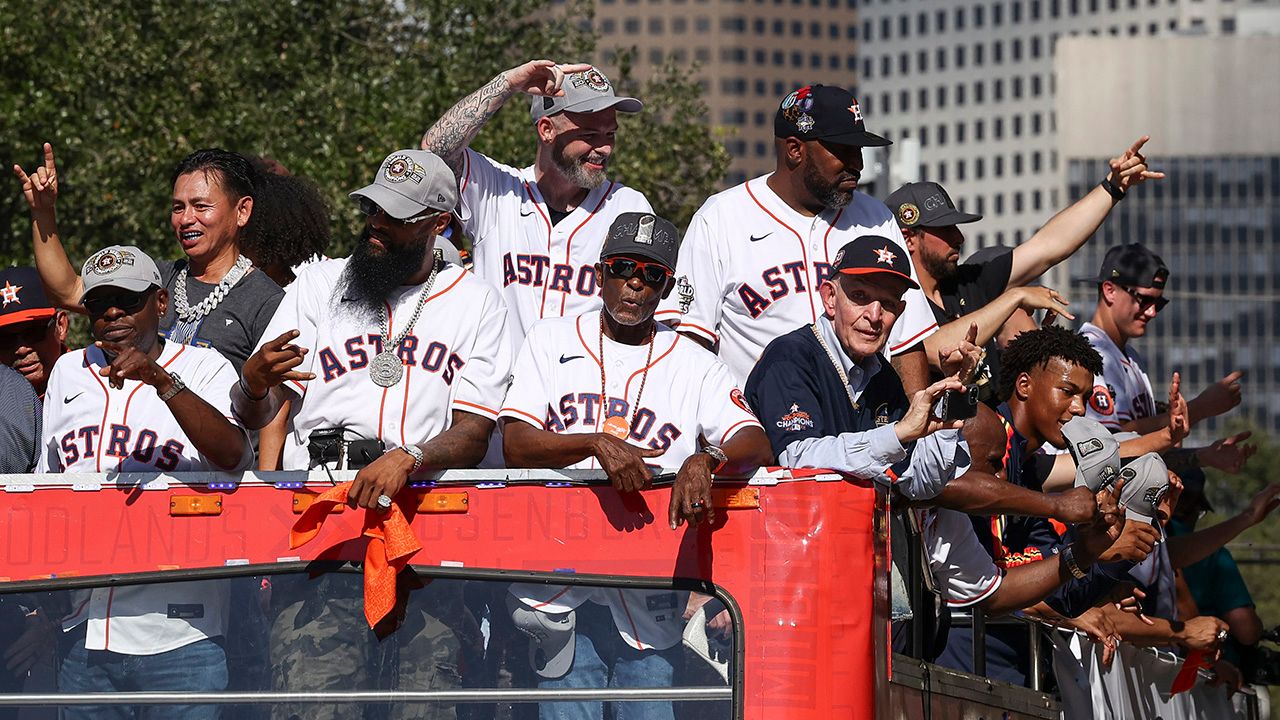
x,y
1069,561
416,453
1112,189
255,398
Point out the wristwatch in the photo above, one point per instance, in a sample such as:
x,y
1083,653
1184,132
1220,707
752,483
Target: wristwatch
x,y
178,386
416,453
1112,189
716,452
1069,559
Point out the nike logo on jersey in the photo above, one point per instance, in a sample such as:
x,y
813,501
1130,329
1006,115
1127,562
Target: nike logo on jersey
x,y
758,238
525,214
564,359
69,398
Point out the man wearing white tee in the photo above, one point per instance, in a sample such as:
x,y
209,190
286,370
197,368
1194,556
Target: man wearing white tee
x,y
134,402
755,255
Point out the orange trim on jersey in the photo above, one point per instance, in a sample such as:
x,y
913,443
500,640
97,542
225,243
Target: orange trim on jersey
x,y
128,401
404,406
540,605
911,340
995,584
634,632
487,410
804,252
568,247
546,221
698,328
466,173
826,249
106,625
106,407
518,411
641,371
729,433
578,324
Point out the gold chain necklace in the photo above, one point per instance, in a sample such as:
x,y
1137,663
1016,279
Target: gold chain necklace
x,y
617,425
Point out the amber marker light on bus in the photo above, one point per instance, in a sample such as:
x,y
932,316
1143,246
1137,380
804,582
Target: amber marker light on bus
x,y
736,498
182,505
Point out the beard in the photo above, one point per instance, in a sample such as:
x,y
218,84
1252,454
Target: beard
x,y
371,276
573,170
828,193
939,266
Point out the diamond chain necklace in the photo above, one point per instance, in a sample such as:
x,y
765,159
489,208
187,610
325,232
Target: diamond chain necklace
x,y
206,306
387,368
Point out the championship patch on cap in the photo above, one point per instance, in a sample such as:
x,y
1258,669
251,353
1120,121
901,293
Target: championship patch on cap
x,y
108,261
592,79
402,167
908,214
1101,402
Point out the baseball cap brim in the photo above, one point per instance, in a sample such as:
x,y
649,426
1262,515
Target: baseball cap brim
x,y
552,637
124,283
881,271
861,139
23,316
951,217
604,102
396,205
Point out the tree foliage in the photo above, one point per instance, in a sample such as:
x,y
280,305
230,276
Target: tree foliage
x,y
126,88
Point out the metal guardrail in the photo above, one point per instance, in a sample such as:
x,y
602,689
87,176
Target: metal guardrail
x,y
694,694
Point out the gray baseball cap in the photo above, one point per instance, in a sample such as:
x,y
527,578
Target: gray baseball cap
x,y
1095,450
119,266
551,637
584,92
645,235
411,182
1146,481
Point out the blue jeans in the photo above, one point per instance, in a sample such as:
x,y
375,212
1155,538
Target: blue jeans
x,y
198,667
601,659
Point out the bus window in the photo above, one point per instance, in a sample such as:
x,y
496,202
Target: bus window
x,y
296,645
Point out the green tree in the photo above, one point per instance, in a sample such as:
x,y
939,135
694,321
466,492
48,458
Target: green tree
x,y
124,89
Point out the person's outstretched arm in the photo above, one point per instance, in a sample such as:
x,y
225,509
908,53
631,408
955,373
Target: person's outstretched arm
x,y
62,284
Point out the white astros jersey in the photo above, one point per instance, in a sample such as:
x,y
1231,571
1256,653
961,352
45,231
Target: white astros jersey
x,y
543,271
750,267
90,427
456,358
1122,392
688,392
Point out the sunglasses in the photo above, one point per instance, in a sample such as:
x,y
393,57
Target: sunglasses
x,y
1145,301
371,208
126,301
651,272
27,334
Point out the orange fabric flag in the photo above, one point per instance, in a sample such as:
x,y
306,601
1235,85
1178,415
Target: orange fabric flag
x,y
391,544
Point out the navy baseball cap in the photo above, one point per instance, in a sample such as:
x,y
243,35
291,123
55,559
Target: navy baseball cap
x,y
22,297
871,254
1133,265
824,112
645,235
926,204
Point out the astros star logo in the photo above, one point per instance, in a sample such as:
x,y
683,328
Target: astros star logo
x,y
9,293
885,256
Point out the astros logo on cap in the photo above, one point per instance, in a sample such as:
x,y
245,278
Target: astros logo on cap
x,y
885,256
909,214
9,293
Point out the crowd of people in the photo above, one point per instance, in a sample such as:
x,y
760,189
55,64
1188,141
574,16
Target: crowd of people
x,y
798,322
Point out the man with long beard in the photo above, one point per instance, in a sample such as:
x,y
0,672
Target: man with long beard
x,y
403,360
537,231
755,255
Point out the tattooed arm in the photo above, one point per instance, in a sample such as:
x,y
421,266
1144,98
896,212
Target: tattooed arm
x,y
455,130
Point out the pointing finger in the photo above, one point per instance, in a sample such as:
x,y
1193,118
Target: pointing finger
x,y
299,376
1233,377
1136,147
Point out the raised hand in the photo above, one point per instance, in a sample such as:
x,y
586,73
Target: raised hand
x,y
273,364
1179,414
1032,298
1228,454
130,363
960,361
624,463
1131,167
1263,504
1135,543
1219,397
919,419
542,77
40,188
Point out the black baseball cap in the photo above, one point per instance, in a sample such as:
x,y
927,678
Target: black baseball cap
x,y
872,254
645,235
1193,480
22,297
926,204
1133,265
824,112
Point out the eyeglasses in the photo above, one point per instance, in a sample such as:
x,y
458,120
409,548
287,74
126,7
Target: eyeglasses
x,y
126,301
371,208
1145,301
25,334
651,272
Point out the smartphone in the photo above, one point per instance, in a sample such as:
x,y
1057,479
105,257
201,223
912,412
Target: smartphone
x,y
957,404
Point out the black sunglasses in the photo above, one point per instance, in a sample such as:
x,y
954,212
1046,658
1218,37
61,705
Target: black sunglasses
x,y
371,208
26,334
651,272
126,301
1145,301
